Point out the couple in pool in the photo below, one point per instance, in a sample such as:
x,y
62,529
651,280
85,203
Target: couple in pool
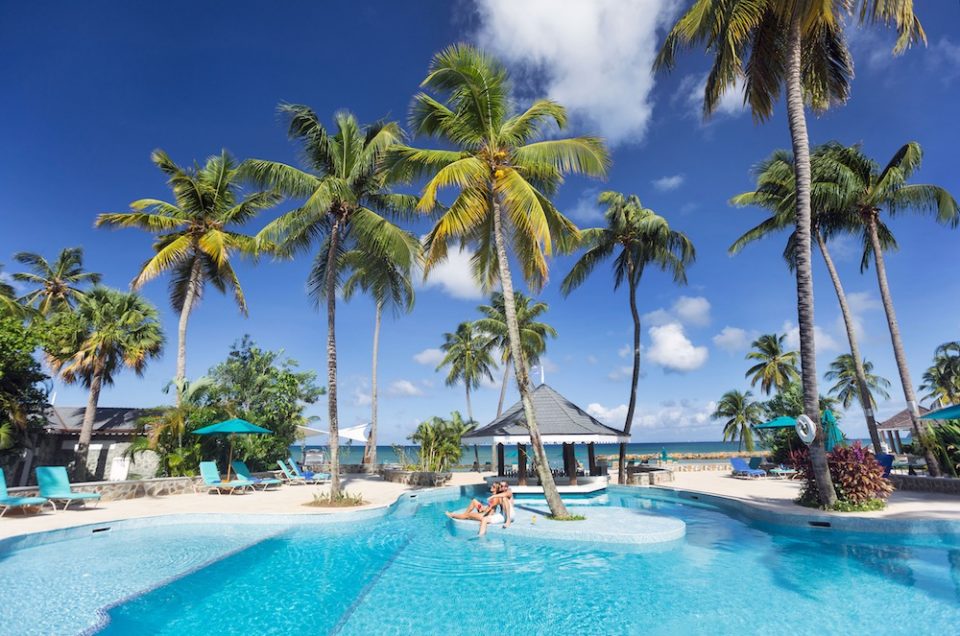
x,y
501,497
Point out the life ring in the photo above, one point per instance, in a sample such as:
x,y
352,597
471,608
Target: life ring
x,y
806,429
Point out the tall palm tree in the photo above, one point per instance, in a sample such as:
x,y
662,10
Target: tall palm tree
x,y
108,330
775,367
776,191
533,333
640,237
843,372
344,185
467,354
942,379
388,282
799,46
741,413
505,179
865,190
196,235
8,298
58,285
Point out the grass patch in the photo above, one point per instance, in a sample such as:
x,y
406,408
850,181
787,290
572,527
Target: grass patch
x,y
567,518
343,500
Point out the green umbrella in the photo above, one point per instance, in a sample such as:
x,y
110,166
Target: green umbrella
x,y
834,437
781,422
236,426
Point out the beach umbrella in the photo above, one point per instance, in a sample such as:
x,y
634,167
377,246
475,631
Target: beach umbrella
x,y
236,426
834,437
781,422
946,413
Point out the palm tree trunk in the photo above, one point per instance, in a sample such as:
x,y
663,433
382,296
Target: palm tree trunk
x,y
622,471
80,472
503,387
557,508
933,467
808,352
195,273
370,451
866,400
332,358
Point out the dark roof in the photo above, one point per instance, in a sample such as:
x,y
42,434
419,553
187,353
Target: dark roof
x,y
900,421
556,415
67,420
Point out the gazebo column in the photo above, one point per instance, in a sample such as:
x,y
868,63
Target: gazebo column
x,y
500,465
890,442
592,459
570,451
521,464
899,441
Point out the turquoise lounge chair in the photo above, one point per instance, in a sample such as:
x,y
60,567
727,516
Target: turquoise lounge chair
x,y
755,462
53,483
7,502
243,472
213,481
288,476
307,476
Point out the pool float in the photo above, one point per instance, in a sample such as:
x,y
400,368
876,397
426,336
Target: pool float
x,y
806,429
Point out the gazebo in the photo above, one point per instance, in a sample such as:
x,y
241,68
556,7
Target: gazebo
x,y
892,427
560,422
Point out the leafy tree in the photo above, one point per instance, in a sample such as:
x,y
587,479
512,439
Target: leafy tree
x,y
23,397
56,286
641,238
344,186
505,178
775,367
741,413
767,46
109,330
467,354
533,333
196,235
843,372
942,379
440,441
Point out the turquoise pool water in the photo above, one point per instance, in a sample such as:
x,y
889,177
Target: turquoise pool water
x,y
407,573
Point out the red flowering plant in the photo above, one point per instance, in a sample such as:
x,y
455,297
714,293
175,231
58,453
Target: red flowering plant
x,y
857,478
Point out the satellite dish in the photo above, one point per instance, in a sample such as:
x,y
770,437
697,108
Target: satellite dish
x,y
806,429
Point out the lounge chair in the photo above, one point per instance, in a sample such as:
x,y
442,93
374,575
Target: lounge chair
x,y
53,484
755,462
7,502
742,469
886,460
213,481
307,476
287,476
243,472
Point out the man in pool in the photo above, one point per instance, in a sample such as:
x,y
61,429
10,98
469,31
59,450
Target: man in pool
x,y
483,512
504,499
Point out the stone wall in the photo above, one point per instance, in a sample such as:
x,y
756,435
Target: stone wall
x,y
415,478
921,483
651,478
132,489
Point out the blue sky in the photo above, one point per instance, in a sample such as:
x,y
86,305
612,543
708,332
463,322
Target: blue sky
x,y
89,89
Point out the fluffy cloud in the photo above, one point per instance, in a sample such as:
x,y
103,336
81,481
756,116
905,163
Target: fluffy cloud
x,y
823,340
733,339
620,373
429,357
585,210
689,310
666,184
454,276
945,60
593,57
672,350
657,317
859,303
671,415
361,396
404,388
730,104
614,416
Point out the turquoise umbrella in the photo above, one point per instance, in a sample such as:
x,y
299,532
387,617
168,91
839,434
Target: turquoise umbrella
x,y
781,422
946,413
834,437
236,426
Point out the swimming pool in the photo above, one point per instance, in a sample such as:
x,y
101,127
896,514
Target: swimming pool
x,y
405,572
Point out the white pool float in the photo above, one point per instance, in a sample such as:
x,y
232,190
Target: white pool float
x,y
806,429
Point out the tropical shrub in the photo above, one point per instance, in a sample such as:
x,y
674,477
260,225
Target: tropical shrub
x,y
856,474
440,442
946,439
23,397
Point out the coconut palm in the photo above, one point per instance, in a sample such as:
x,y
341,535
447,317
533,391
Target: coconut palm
x,y
942,379
467,353
741,413
388,282
533,333
8,298
846,388
344,187
776,191
56,286
109,330
798,46
505,178
775,367
641,238
196,235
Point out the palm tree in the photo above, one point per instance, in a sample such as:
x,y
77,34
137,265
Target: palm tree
x,y
942,379
741,414
846,377
343,185
57,286
533,333
195,235
108,330
467,354
775,367
388,281
776,191
641,238
505,178
864,191
770,45
8,298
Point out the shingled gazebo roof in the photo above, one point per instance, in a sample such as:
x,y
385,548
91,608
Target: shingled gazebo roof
x,y
900,421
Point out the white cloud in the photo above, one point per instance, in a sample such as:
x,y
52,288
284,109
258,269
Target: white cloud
x,y
361,397
693,310
657,317
672,350
454,276
404,388
593,57
733,339
625,351
859,303
586,210
666,184
670,415
620,373
945,59
823,341
730,105
614,416
429,357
